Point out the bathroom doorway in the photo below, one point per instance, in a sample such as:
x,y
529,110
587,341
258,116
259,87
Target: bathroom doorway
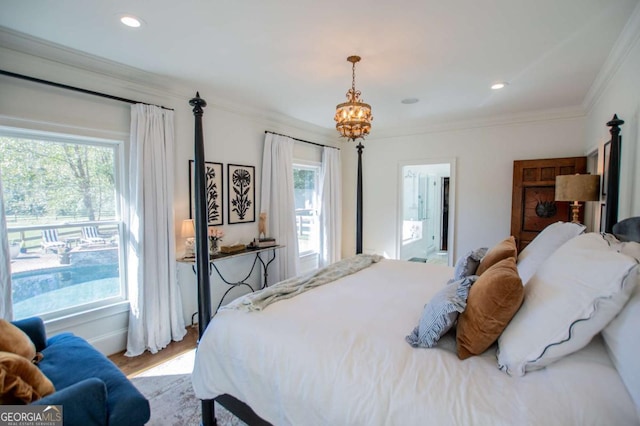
x,y
424,212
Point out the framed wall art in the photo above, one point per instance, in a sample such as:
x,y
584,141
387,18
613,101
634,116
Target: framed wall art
x,y
241,193
213,188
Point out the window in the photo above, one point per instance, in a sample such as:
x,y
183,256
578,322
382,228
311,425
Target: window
x,y
306,189
62,203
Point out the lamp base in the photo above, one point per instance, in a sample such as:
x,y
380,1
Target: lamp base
x,y
575,210
190,247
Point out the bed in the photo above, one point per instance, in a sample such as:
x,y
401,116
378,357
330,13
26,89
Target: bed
x,y
338,354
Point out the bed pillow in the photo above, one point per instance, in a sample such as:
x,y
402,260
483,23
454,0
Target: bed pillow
x,y
503,250
621,334
621,339
441,313
15,340
21,382
570,299
543,246
493,300
467,265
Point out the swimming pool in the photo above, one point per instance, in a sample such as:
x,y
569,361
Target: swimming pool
x,y
40,291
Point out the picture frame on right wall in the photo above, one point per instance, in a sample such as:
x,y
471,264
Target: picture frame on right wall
x,y
241,206
606,152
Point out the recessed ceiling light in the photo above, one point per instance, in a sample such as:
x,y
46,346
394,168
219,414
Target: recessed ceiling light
x,y
499,85
408,101
131,21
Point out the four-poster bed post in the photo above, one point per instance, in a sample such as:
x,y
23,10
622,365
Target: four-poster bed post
x,y
359,147
613,174
202,248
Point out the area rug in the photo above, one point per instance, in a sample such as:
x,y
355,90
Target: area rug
x,y
168,389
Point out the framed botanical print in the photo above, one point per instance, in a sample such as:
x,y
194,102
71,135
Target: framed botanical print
x,y
213,189
241,193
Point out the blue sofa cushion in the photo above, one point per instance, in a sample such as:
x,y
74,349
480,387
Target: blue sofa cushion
x,y
34,328
69,359
83,403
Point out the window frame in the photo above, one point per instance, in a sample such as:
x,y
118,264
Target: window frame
x,y
117,145
317,167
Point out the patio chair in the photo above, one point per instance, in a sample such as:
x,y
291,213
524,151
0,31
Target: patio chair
x,y
91,235
50,240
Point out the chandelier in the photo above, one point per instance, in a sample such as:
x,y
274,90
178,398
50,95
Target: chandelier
x,y
353,118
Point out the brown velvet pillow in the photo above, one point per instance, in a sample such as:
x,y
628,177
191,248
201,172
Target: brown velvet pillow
x,y
493,300
503,250
16,341
21,382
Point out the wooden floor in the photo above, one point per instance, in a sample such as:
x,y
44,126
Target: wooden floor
x,y
131,366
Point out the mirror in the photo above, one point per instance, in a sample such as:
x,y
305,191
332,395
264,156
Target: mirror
x,y
424,212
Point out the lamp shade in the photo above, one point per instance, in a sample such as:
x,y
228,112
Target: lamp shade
x,y
578,188
188,230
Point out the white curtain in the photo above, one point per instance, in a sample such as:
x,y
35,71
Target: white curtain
x,y
156,306
331,207
277,201
6,306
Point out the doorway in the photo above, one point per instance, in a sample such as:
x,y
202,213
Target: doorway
x,y
424,212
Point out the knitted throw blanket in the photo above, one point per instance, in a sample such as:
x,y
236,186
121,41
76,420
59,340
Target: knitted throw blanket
x,y
297,285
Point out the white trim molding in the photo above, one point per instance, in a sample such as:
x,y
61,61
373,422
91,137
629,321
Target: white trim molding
x,y
624,44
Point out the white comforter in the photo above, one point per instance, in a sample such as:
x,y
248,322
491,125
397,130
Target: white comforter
x,y
336,355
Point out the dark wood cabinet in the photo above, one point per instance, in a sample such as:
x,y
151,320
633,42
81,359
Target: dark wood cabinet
x,y
533,205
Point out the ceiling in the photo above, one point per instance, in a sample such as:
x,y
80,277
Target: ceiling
x,y
289,57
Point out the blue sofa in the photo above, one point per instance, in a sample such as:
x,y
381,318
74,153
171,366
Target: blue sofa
x,y
91,389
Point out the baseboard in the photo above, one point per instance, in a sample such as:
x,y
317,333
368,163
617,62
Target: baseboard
x,y
110,343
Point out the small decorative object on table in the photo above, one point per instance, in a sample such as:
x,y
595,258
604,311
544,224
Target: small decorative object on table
x,y
262,225
215,235
188,233
263,243
234,248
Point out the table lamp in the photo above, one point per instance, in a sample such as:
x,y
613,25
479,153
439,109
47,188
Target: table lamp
x,y
188,231
577,188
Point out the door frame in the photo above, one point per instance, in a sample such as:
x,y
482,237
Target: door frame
x,y
452,201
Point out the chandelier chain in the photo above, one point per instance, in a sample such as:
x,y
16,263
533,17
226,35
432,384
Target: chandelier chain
x,y
353,76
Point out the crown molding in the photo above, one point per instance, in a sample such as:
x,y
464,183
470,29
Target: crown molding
x,y
628,38
23,54
567,113
273,120
25,44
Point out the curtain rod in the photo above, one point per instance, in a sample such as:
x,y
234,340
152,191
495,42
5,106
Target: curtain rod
x,y
76,89
300,140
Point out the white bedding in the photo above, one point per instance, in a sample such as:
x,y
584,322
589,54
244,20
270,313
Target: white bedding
x,y
336,355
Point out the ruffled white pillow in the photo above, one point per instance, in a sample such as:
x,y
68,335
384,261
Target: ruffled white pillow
x,y
572,297
621,334
543,246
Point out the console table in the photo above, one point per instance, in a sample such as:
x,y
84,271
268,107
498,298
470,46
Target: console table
x,y
270,252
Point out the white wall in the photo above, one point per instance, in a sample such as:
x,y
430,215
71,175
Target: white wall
x,y
617,91
232,135
483,177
